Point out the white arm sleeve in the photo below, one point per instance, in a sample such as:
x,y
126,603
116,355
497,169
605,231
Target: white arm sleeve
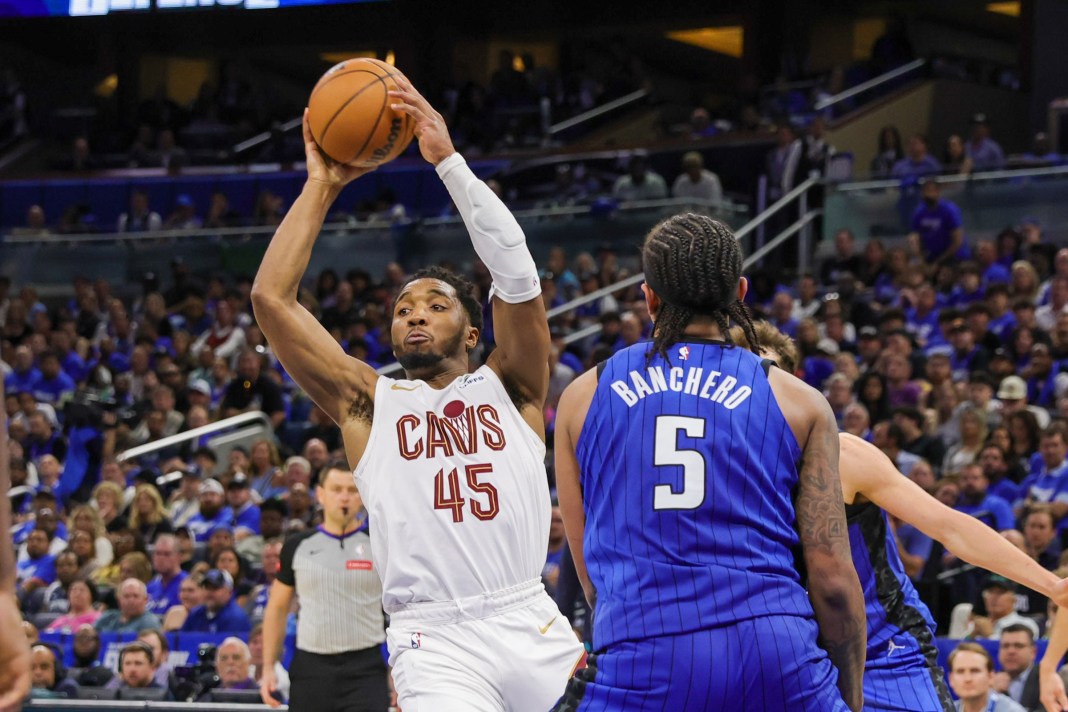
x,y
495,234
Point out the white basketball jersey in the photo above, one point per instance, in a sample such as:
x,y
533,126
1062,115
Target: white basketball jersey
x,y
455,489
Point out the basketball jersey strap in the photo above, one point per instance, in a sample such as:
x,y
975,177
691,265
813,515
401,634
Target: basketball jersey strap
x,y
766,364
600,368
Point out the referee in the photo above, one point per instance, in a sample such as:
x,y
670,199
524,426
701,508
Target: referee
x,y
338,665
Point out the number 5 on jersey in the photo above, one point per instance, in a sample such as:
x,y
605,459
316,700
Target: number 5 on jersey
x,y
666,452
454,501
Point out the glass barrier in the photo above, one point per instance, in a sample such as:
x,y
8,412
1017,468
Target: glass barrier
x,y
884,208
54,261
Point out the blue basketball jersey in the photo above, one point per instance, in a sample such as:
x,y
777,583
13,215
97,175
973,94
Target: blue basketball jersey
x,y
901,669
688,472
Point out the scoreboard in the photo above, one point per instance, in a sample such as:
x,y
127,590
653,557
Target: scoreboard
x,y
88,8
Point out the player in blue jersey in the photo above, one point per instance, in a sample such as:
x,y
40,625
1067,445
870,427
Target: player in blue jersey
x,y
901,671
684,501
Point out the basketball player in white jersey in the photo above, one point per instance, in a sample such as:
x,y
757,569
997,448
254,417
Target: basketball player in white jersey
x,y
449,464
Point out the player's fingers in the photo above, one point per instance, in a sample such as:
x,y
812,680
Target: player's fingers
x,y
414,111
412,96
265,693
306,128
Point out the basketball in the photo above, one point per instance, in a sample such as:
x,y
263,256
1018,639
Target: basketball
x,y
350,117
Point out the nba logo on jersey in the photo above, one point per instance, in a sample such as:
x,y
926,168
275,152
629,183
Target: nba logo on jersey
x,y
684,353
417,640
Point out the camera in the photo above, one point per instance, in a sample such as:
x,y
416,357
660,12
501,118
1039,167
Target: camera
x,y
192,682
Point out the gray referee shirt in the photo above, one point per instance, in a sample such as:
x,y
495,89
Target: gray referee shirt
x,y
340,593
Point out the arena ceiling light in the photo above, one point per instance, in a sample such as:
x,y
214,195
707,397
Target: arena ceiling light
x,y
728,40
1012,9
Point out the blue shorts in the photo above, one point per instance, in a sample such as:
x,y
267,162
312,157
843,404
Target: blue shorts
x,y
769,664
911,687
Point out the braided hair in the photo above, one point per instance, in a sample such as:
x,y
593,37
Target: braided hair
x,y
693,263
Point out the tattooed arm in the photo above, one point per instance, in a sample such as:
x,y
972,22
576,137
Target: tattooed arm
x,y
833,585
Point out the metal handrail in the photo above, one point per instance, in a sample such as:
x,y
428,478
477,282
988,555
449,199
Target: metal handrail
x,y
865,86
776,207
264,137
982,177
225,423
598,111
752,259
797,225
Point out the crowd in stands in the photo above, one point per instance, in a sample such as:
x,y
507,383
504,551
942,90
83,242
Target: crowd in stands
x,y
950,355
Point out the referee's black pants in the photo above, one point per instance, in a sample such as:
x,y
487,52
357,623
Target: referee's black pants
x,y
345,682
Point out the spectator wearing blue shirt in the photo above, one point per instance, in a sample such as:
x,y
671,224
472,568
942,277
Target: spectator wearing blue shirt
x,y
1050,484
782,311
54,387
977,501
24,375
163,589
938,225
918,162
43,439
921,320
991,271
245,512
967,357
1002,318
995,465
38,569
982,153
220,612
969,289
70,361
212,513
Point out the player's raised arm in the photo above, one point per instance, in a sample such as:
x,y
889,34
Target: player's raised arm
x,y
833,584
14,650
867,471
520,326
1051,686
307,351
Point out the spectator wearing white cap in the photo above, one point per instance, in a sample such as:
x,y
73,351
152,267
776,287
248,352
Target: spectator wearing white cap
x,y
212,513
1013,396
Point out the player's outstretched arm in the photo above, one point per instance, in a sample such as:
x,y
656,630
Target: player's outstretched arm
x,y
521,329
570,415
867,471
307,351
1051,686
14,650
274,634
833,584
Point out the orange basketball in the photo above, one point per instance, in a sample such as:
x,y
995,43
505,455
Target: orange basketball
x,y
350,117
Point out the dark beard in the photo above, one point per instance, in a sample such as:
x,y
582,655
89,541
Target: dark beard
x,y
419,361
425,360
